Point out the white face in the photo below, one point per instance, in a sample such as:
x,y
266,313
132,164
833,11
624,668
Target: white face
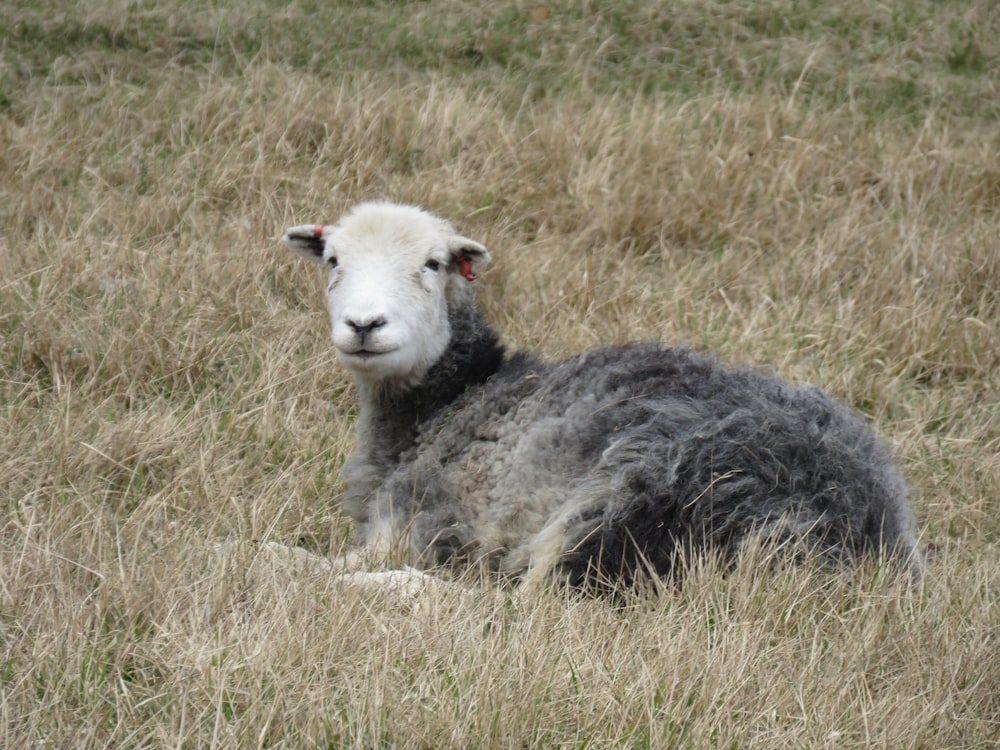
x,y
393,271
388,310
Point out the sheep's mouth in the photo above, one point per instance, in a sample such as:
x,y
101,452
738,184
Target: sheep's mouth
x,y
366,354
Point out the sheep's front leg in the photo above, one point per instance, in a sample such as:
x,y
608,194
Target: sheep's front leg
x,y
350,570
405,581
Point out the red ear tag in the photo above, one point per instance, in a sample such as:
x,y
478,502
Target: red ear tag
x,y
318,230
465,268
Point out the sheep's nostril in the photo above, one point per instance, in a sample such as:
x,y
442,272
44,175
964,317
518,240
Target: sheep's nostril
x,y
365,327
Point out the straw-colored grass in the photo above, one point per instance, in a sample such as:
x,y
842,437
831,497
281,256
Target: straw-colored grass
x,y
817,188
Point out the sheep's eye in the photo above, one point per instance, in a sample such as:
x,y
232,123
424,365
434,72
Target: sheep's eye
x,y
332,262
433,264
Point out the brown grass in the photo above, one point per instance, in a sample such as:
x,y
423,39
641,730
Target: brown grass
x,y
166,382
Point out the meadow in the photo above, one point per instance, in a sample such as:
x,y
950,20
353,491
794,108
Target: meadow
x,y
806,185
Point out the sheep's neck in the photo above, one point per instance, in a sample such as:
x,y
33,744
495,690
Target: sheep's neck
x,y
390,420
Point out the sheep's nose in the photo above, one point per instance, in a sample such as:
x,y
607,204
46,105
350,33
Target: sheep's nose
x,y
365,327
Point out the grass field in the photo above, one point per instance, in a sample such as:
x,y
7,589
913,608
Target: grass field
x,y
811,185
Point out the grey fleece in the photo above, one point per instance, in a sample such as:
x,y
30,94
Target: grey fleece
x,y
614,463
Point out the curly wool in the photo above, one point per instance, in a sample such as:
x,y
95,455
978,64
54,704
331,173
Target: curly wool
x,y
619,462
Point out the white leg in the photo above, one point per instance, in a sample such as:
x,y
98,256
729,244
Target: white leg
x,y
406,581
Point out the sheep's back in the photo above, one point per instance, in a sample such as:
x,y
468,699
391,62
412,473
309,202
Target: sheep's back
x,y
652,444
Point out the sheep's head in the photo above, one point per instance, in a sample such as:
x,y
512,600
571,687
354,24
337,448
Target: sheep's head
x,y
394,272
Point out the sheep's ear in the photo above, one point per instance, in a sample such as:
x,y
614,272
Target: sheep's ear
x,y
308,240
468,256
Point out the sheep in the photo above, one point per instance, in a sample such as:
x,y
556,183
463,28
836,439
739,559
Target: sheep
x,y
607,469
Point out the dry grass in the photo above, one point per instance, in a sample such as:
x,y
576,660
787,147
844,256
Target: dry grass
x,y
815,189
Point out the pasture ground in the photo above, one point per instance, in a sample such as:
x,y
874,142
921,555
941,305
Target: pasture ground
x,y
810,185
